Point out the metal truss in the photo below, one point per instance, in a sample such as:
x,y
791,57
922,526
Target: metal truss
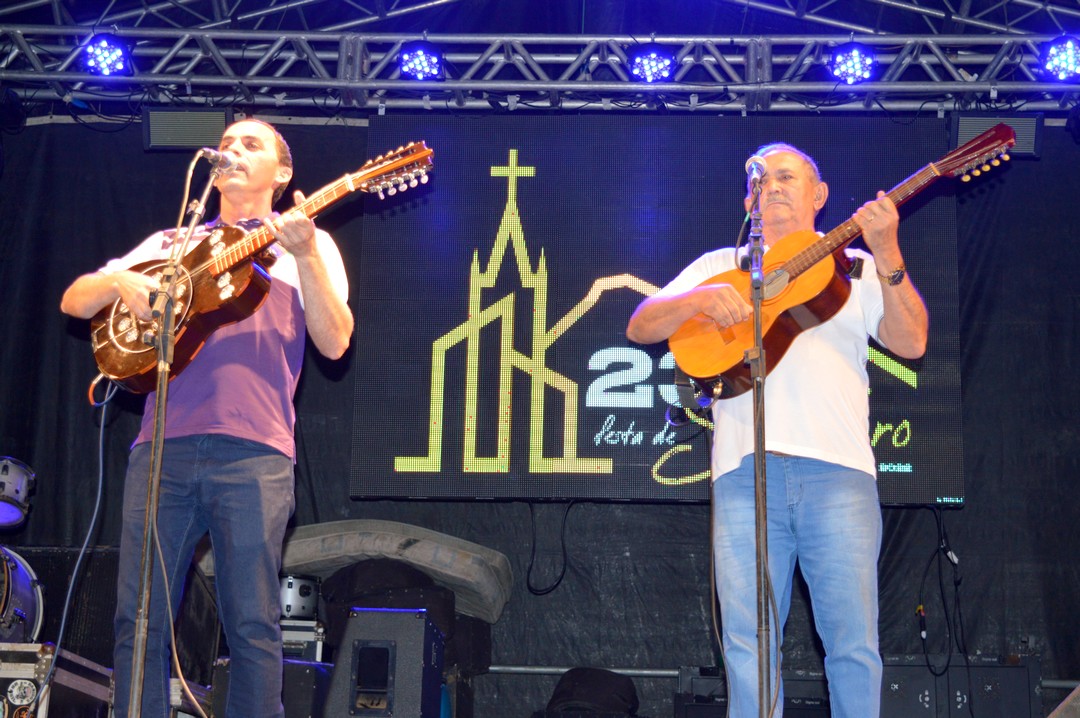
x,y
323,15
941,17
340,72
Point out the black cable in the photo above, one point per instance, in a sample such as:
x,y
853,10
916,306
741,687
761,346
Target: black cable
x,y
76,572
952,616
532,554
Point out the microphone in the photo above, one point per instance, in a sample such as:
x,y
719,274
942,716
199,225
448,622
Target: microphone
x,y
755,168
222,161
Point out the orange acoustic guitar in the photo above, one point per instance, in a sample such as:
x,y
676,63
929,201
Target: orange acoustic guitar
x,y
805,282
224,278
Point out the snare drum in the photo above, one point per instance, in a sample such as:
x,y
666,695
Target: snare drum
x,y
21,601
16,485
299,597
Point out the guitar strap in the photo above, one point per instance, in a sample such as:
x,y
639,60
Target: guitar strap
x,y
852,266
855,269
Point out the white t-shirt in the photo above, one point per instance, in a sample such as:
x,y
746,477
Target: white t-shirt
x,y
816,398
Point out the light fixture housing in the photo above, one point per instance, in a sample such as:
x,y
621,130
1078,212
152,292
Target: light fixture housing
x,y
651,62
420,60
1061,58
852,62
107,56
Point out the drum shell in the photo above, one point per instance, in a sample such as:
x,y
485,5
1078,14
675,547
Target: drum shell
x,y
299,597
21,600
17,482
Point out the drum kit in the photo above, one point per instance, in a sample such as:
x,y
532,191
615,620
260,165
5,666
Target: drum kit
x,y
299,597
21,598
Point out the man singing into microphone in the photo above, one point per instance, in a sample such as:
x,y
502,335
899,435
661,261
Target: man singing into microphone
x,y
227,466
822,502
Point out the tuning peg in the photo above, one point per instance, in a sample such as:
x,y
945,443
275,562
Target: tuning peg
x,y
986,168
996,162
423,177
965,177
1005,156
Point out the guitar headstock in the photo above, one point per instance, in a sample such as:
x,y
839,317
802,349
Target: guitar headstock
x,y
978,154
395,171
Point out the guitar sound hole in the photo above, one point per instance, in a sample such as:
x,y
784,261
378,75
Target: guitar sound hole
x,y
775,282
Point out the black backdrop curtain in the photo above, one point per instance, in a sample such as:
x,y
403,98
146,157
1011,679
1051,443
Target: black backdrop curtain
x,y
636,591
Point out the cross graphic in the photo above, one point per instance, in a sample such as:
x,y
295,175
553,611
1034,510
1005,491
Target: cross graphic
x,y
513,171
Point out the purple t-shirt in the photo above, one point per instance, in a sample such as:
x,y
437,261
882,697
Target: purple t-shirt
x,y
241,383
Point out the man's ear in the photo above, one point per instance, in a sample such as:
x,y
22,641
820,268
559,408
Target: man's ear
x,y
284,174
821,193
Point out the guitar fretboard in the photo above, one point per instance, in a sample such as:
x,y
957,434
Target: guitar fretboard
x,y
261,238
842,235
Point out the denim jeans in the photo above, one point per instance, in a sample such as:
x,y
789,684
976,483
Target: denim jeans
x,y
828,518
242,493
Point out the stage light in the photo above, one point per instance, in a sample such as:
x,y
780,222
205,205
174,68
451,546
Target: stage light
x,y
852,63
1061,58
420,60
651,62
105,55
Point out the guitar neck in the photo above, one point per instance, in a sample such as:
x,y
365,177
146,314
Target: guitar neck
x,y
843,235
395,171
257,240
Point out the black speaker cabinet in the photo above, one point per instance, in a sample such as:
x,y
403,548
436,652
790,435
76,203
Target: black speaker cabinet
x,y
909,689
305,685
913,686
991,687
389,663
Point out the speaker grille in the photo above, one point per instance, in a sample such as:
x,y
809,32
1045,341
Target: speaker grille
x,y
1028,130
169,129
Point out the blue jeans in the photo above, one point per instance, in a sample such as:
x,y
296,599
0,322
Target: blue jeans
x,y
242,493
828,518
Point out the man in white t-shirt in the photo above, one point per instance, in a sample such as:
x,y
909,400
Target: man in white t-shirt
x,y
227,465
822,501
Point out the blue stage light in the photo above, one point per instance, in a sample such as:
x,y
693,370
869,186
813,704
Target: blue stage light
x,y
852,63
651,62
105,55
1061,58
420,60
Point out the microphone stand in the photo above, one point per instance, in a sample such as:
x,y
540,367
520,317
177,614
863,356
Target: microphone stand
x,y
755,358
162,308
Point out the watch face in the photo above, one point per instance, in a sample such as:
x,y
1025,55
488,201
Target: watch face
x,y
21,691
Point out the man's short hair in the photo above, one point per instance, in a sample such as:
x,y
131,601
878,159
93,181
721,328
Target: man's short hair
x,y
785,147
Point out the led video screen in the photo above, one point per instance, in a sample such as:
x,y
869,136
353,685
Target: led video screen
x,y
492,303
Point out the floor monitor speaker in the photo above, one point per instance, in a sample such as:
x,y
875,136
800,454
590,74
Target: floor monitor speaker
x,y
389,663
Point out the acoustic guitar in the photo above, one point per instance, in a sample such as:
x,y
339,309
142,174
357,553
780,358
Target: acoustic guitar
x,y
806,282
225,278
